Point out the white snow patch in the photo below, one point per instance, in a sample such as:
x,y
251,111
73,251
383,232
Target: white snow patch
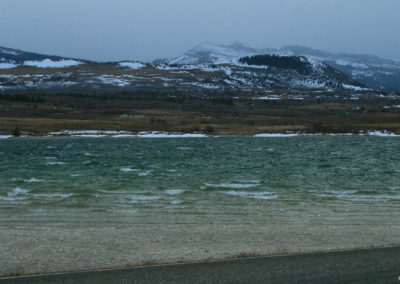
x,y
89,135
206,86
48,63
316,63
113,80
382,133
239,64
157,134
143,134
132,65
272,97
355,88
5,136
218,54
7,65
202,67
123,135
181,72
8,76
352,64
314,84
89,132
276,135
12,52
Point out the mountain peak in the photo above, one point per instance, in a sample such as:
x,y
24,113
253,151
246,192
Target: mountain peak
x,y
304,50
205,47
212,53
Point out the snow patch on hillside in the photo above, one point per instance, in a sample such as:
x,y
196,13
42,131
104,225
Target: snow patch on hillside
x,y
312,84
214,53
8,51
352,64
113,80
316,63
202,67
355,88
132,65
48,63
7,65
271,97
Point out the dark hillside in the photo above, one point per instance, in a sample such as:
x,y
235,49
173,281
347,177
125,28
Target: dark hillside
x,y
19,56
298,63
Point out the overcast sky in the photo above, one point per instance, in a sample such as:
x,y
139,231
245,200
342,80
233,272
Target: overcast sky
x,y
149,29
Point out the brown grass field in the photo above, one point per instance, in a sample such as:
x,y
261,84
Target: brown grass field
x,y
244,117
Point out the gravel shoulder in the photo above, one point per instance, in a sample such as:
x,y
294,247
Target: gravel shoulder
x,y
34,250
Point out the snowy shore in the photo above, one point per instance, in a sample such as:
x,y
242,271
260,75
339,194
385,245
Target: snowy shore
x,y
161,134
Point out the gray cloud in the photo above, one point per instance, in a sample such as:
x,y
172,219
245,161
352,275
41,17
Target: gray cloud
x,y
145,30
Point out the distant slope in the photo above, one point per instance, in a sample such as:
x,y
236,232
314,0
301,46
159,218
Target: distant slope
x,y
211,53
301,72
372,71
300,64
11,58
9,55
207,67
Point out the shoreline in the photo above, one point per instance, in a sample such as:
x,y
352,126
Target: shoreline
x,y
162,134
77,245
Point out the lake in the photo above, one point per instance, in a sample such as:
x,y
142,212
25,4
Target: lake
x,y
108,182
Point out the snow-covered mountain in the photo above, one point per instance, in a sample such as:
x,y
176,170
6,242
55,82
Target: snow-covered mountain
x,y
206,67
11,58
210,53
372,71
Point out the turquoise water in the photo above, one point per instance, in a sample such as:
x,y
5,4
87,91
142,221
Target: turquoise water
x,y
309,180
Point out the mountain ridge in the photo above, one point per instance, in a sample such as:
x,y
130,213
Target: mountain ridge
x,y
371,70
207,66
17,56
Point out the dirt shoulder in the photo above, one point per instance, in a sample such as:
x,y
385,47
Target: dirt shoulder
x,y
35,250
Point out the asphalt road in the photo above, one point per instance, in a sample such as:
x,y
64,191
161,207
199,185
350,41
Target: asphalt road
x,y
381,265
